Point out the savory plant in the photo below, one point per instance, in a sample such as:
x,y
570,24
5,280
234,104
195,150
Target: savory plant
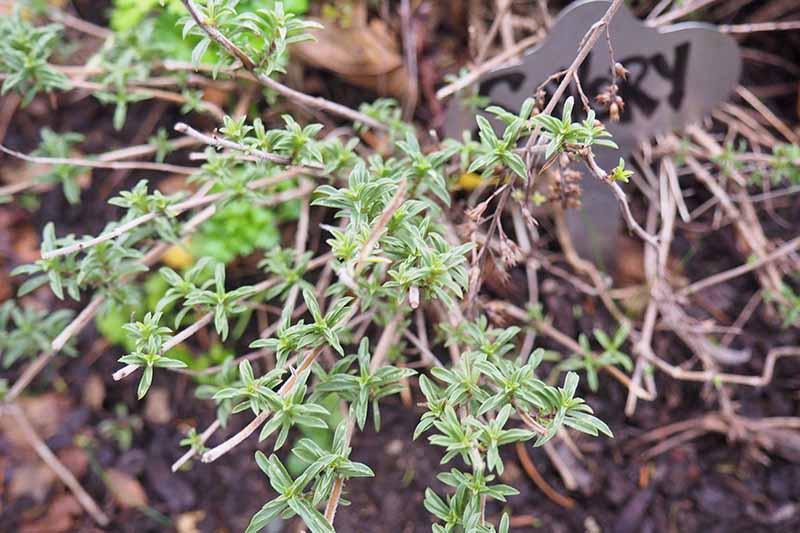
x,y
390,253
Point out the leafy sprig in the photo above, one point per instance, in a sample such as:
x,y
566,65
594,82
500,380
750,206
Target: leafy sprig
x,y
150,338
25,51
26,331
567,136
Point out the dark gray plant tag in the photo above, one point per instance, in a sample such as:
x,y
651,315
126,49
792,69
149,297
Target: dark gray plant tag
x,y
677,75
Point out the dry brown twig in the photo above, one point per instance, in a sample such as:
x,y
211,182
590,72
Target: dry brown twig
x,y
150,92
788,25
63,473
767,113
786,249
92,163
530,469
475,73
681,11
503,10
130,152
385,342
760,431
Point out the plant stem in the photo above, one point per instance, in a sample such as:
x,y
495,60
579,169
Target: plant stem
x,y
378,357
213,140
483,68
204,436
287,387
86,315
314,102
175,210
113,165
384,218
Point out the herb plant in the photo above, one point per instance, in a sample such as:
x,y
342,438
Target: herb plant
x,y
389,254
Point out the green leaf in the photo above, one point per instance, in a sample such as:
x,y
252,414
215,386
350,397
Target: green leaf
x,y
145,381
269,512
315,521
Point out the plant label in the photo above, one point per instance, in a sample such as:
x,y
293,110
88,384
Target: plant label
x,y
677,74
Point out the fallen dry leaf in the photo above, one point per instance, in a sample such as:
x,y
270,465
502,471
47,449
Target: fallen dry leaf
x,y
366,56
94,392
31,479
156,408
127,491
26,244
187,522
46,413
60,517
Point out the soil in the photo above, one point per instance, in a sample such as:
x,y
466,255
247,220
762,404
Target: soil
x,y
705,485
713,483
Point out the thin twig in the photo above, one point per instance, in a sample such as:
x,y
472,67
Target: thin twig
x,y
130,152
536,477
149,92
287,387
473,75
757,27
410,52
719,277
177,209
77,23
499,17
622,200
658,9
314,102
114,165
767,113
204,436
55,465
679,12
213,140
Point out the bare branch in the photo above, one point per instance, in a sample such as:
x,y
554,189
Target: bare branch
x,y
55,465
113,165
